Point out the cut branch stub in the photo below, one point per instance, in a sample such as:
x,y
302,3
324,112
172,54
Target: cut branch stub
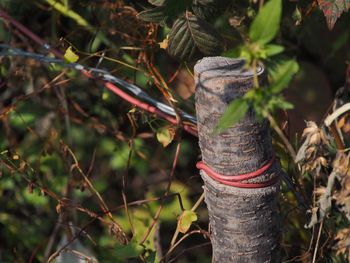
x,y
244,222
243,147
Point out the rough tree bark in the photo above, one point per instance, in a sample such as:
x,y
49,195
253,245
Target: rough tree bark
x,y
245,225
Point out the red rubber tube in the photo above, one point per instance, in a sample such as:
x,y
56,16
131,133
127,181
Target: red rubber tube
x,y
25,31
236,180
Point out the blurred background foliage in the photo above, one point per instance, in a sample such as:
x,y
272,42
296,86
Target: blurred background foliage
x,y
78,162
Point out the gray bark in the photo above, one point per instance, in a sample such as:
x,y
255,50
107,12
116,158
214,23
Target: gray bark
x,y
245,225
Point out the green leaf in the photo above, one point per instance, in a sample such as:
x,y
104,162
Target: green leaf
x,y
185,220
172,208
266,24
165,135
332,10
131,250
282,75
157,2
234,113
190,35
285,105
34,198
154,15
297,16
21,120
161,13
277,102
70,56
245,52
66,11
272,50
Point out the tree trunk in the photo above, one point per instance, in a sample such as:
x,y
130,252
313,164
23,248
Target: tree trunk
x,y
245,225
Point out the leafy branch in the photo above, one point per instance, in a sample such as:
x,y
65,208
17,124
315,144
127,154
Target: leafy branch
x,y
191,35
263,100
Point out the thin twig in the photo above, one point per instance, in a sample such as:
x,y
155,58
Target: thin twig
x,y
188,249
124,185
182,239
198,203
97,194
177,232
280,133
57,253
156,217
52,237
317,242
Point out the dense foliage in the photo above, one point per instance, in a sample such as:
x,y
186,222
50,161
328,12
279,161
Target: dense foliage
x,y
84,174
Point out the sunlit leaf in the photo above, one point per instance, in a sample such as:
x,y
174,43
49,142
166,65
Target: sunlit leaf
x,y
267,23
24,118
234,112
70,56
120,154
141,221
66,11
164,44
185,220
283,104
165,135
286,105
283,75
332,10
189,35
297,16
80,20
272,50
277,101
34,198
